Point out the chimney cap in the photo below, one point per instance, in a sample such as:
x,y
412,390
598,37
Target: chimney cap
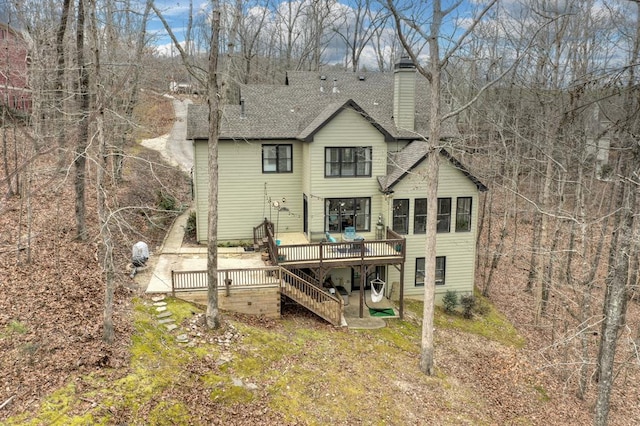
x,y
404,63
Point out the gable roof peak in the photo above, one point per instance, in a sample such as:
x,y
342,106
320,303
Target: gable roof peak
x,y
410,157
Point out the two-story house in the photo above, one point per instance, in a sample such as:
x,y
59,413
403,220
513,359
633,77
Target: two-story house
x,y
338,156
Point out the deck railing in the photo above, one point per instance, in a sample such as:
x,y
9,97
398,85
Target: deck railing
x,y
295,287
299,272
393,247
326,252
260,232
197,280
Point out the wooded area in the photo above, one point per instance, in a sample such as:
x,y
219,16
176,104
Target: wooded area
x,y
544,93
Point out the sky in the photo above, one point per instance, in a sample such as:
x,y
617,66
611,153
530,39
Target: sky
x,y
176,13
515,11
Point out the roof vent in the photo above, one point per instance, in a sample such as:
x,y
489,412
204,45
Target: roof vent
x,y
362,77
323,77
242,112
335,86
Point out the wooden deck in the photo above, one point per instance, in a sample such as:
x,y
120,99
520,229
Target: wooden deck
x,y
193,284
287,277
389,251
324,256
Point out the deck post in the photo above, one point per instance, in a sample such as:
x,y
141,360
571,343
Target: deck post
x,y
227,284
363,281
173,285
402,290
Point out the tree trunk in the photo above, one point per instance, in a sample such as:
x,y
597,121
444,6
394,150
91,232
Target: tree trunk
x,y
613,310
433,165
102,165
60,128
213,313
80,159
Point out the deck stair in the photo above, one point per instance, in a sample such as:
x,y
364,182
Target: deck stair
x,y
305,276
260,238
312,297
306,290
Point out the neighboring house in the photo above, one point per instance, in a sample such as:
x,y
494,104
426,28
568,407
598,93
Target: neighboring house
x,y
14,83
332,152
599,140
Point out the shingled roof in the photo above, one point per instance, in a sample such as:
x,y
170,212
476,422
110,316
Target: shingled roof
x,y
308,99
402,162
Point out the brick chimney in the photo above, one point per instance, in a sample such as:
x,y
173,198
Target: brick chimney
x,y
404,94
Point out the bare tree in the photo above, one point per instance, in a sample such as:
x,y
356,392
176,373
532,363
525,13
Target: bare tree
x,y
210,80
213,314
250,31
429,27
618,272
358,27
80,154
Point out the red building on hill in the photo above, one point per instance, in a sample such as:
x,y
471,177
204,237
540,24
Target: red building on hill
x,y
14,81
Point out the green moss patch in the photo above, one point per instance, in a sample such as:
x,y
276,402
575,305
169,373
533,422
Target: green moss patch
x,y
492,325
169,414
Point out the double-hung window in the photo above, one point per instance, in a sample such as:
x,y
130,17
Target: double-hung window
x,y
419,272
401,216
347,162
420,216
277,158
444,214
463,214
441,265
345,212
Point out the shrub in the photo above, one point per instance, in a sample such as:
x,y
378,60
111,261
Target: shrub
x,y
606,171
166,201
468,302
190,227
481,307
450,301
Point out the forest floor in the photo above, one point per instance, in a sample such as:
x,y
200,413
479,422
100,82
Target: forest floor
x,y
55,369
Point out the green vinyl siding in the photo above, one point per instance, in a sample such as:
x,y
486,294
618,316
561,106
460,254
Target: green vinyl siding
x,y
201,188
244,191
404,92
347,129
458,248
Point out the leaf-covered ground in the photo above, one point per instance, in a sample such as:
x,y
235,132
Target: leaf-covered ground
x,y
299,370
51,284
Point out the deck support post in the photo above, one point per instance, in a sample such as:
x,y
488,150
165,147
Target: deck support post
x,y
402,290
363,279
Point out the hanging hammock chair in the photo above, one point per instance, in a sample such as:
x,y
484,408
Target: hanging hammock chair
x,y
377,290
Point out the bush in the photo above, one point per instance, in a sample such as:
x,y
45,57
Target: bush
x,y
167,202
190,227
450,301
468,302
481,307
